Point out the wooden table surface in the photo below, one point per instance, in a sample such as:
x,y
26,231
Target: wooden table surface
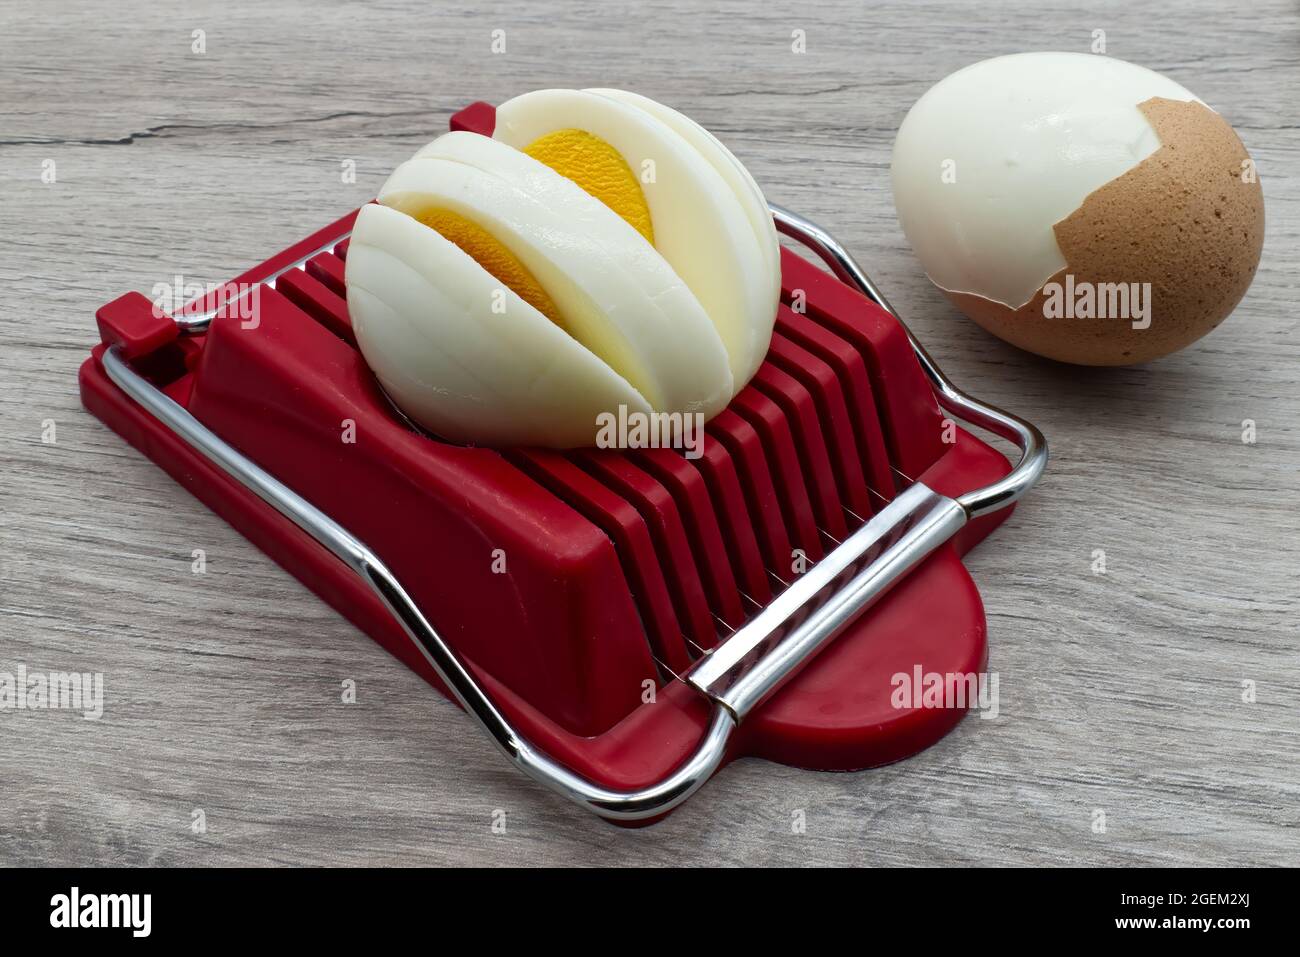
x,y
1121,693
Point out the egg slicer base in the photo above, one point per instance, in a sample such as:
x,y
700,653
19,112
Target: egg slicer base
x,y
621,623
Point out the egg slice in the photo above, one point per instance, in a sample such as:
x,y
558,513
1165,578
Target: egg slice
x,y
609,288
706,218
746,190
460,351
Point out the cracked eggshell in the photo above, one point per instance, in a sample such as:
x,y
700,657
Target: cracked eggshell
x,y
1016,172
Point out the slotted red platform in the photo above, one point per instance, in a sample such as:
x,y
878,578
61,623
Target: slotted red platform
x,y
622,568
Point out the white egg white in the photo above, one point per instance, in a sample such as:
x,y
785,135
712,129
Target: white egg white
x,y
703,226
427,320
616,297
743,185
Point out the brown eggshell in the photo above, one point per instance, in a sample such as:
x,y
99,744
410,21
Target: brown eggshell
x,y
1184,220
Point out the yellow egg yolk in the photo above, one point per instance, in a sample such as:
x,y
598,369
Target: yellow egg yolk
x,y
589,162
600,170
486,250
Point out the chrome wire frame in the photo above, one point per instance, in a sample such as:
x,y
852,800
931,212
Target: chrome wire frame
x,y
742,671
1030,441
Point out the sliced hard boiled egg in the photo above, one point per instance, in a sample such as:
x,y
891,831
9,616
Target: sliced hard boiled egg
x,y
605,285
704,217
460,350
742,184
602,253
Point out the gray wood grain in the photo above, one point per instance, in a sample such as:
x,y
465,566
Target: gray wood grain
x,y
1120,693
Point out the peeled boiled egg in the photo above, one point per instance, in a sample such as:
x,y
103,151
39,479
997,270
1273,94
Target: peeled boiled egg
x,y
713,229
1077,206
601,250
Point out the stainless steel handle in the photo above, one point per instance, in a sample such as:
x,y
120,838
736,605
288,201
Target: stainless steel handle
x,y
752,664
740,673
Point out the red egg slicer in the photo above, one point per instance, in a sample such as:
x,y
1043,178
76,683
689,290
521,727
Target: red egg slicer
x,y
621,622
